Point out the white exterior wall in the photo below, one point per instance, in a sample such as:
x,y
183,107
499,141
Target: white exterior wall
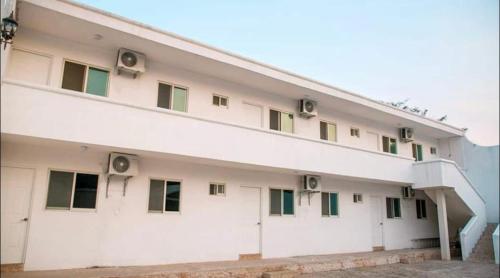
x,y
121,232
143,92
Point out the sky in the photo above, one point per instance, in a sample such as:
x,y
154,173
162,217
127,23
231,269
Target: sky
x,y
441,55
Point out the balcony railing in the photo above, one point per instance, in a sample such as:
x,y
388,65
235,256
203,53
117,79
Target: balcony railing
x,y
58,114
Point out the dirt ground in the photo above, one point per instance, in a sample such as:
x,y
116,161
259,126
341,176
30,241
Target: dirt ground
x,y
429,269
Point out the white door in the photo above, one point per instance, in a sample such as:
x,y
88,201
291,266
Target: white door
x,y
372,141
377,221
252,115
249,220
15,187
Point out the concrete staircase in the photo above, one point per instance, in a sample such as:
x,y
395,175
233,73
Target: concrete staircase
x,y
483,251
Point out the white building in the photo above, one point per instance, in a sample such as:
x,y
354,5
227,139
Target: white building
x,y
220,148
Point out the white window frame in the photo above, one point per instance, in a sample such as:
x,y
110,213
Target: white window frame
x,y
329,205
423,150
165,180
282,203
329,123
73,187
282,111
396,142
87,65
220,100
172,87
217,193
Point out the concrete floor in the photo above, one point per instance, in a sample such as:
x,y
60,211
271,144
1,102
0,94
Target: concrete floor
x,y
430,269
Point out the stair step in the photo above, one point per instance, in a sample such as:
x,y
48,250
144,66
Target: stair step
x,y
280,274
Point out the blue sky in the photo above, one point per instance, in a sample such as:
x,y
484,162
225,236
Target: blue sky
x,y
442,55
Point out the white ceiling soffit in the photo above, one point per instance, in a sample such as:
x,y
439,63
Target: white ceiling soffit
x,y
80,23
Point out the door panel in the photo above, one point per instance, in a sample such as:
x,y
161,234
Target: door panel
x,y
15,192
252,115
377,221
250,220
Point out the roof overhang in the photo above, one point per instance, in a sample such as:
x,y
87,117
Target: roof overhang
x,y
61,18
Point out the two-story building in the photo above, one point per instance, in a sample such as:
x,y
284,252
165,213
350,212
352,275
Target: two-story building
x,y
123,144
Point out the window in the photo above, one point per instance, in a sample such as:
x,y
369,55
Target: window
x,y
172,97
389,145
84,78
417,151
355,132
328,131
281,202
217,189
329,204
164,195
357,198
421,209
219,101
281,121
393,206
433,150
72,190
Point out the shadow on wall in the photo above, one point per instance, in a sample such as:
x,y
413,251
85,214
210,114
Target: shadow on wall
x,y
482,166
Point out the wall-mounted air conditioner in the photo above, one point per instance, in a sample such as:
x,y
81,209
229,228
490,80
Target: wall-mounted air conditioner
x,y
407,192
307,108
311,183
406,134
130,61
123,164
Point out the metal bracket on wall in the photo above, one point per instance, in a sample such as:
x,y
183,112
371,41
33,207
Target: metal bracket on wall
x,y
107,184
309,194
125,183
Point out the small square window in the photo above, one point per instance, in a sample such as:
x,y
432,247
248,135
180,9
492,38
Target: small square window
x,y
217,189
219,101
357,198
417,152
433,150
355,132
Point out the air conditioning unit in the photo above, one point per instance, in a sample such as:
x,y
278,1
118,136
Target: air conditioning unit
x,y
123,164
407,192
406,134
307,108
311,183
130,61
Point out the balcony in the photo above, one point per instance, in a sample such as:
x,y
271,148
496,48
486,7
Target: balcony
x,y
56,114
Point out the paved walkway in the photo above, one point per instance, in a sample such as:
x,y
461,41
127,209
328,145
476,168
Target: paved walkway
x,y
428,269
250,268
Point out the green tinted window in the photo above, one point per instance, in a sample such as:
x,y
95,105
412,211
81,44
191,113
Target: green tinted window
x,y
60,189
180,99
397,207
97,81
172,199
287,201
334,209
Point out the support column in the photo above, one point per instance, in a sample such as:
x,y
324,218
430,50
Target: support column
x,y
443,225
